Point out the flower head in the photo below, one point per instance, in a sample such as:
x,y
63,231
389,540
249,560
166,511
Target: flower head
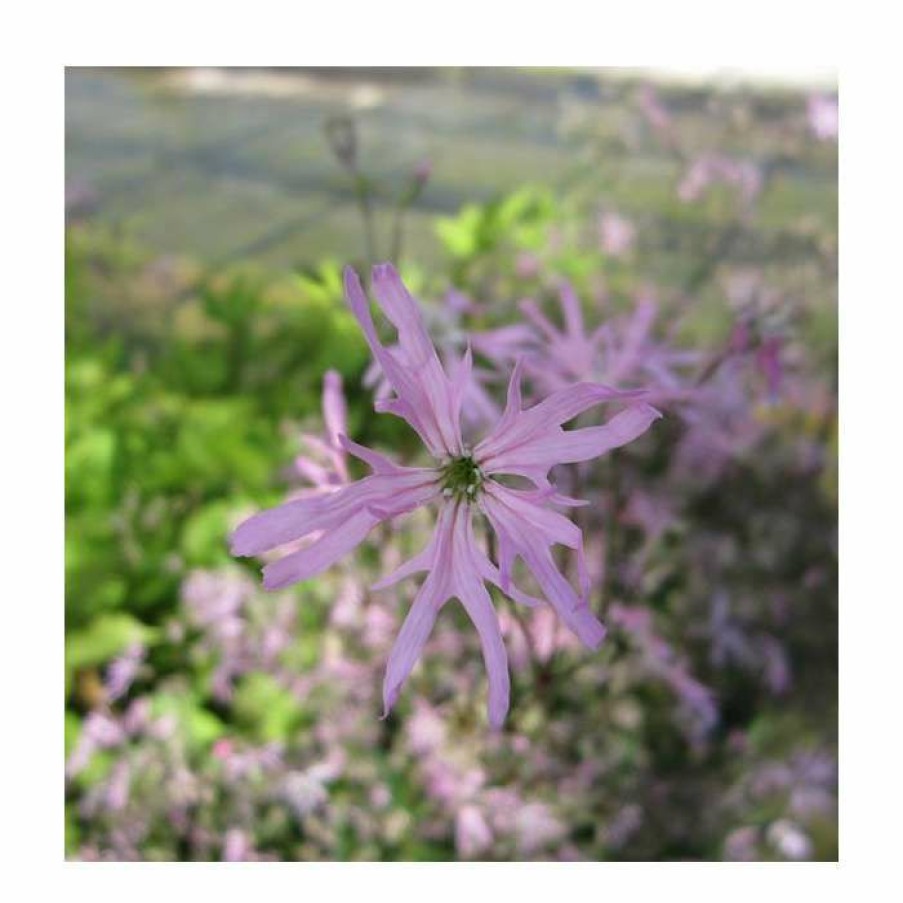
x,y
618,352
465,483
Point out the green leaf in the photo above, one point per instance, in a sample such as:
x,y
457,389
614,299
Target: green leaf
x,y
267,709
204,536
104,638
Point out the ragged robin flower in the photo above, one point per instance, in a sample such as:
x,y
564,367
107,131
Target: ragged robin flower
x,y
465,483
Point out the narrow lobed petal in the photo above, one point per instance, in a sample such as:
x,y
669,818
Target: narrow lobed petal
x,y
528,443
527,531
475,599
627,358
277,526
313,472
531,311
425,395
411,639
433,594
393,368
419,353
377,462
321,554
335,410
571,446
344,517
573,313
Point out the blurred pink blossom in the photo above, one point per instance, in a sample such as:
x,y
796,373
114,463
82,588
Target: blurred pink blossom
x,y
526,265
656,114
823,116
616,234
711,168
472,835
122,671
237,846
536,827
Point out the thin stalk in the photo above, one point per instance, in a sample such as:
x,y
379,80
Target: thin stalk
x,y
364,197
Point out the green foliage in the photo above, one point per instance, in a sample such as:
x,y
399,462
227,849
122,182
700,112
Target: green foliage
x,y
519,221
203,542
175,425
199,726
104,638
265,710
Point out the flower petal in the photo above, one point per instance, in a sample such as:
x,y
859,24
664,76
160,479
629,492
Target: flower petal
x,y
314,473
573,313
281,524
412,638
321,554
432,595
527,531
378,463
505,343
527,442
426,396
627,357
531,311
335,411
567,447
475,599
344,517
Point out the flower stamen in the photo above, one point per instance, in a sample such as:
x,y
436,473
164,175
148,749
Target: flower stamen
x,y
461,478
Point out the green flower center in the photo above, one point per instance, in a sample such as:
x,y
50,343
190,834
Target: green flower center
x,y
461,478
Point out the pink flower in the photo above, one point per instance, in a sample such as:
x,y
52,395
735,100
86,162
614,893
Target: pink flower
x,y
618,352
789,840
823,117
709,169
118,786
526,265
536,827
426,730
222,748
472,835
616,234
525,443
237,846
655,114
99,731
563,355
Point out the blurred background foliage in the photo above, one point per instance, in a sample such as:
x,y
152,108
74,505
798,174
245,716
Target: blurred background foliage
x,y
208,219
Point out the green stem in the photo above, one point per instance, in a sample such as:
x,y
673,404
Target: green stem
x,y
364,198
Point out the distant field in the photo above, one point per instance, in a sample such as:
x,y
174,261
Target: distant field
x,y
225,166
